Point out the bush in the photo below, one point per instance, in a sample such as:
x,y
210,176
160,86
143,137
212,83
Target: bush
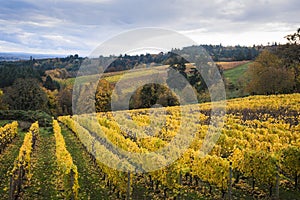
x,y
44,119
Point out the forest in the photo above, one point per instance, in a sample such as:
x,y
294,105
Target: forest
x,y
46,84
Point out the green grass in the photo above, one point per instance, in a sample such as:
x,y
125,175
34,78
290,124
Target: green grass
x,y
235,73
91,185
4,122
43,169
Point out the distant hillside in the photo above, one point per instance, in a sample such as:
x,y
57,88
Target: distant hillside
x,y
11,56
222,53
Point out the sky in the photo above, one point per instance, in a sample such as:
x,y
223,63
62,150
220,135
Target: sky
x,y
79,26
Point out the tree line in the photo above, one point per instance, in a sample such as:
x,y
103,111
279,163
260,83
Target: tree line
x,y
276,70
40,84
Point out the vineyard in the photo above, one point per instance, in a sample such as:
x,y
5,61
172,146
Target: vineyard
x,y
118,155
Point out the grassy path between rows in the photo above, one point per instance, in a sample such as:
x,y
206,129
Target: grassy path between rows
x,y
43,181
91,185
7,158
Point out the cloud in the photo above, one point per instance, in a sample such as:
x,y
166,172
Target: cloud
x,y
74,25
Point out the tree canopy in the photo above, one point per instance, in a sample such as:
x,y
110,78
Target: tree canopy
x,y
26,94
269,76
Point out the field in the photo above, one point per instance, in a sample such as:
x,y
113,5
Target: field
x,y
233,74
113,77
232,64
232,71
71,158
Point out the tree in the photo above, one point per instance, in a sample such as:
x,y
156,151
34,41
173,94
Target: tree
x,y
50,84
290,54
13,71
65,100
103,96
177,77
197,81
2,104
294,38
151,94
26,94
53,104
269,76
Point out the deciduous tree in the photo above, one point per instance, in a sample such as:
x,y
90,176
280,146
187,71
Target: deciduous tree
x,y
103,96
269,76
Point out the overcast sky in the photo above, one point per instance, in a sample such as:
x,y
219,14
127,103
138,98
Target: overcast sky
x,y
79,26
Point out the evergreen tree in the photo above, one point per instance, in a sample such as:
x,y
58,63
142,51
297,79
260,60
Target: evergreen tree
x,y
26,94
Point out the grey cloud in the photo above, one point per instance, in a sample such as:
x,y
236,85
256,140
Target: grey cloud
x,y
82,24
269,11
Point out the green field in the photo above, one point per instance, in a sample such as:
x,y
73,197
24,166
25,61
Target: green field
x,y
235,73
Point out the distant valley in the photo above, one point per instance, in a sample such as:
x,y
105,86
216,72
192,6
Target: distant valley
x,y
16,56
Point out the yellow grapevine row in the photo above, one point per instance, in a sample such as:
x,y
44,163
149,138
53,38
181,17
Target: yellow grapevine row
x,y
99,152
68,170
21,170
7,134
163,175
25,151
